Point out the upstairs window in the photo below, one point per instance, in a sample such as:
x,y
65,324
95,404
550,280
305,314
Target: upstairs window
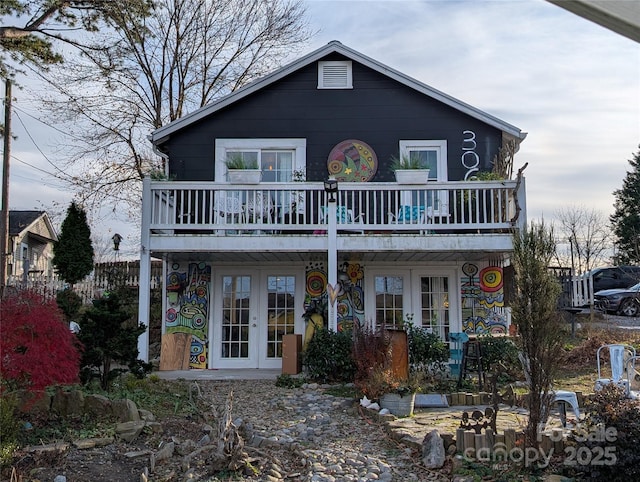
x,y
276,158
335,75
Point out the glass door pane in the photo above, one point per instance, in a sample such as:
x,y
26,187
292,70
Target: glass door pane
x,y
389,301
435,309
236,291
281,292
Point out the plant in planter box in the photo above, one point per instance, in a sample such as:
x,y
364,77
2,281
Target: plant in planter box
x,y
409,170
242,170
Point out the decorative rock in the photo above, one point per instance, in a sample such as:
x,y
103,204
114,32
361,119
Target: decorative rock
x,y
186,447
89,443
68,403
165,452
374,406
128,431
433,454
146,415
98,406
125,410
60,478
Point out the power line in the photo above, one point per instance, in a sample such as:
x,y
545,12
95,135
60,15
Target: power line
x,y
37,146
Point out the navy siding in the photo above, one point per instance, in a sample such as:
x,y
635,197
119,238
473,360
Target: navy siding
x,y
378,111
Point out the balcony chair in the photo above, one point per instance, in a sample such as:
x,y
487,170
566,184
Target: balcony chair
x,y
259,208
344,217
412,214
227,209
560,397
619,355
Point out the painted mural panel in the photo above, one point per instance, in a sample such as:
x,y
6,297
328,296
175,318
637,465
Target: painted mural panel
x,y
349,297
188,297
482,295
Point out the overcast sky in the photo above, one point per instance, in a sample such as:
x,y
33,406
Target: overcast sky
x,y
572,85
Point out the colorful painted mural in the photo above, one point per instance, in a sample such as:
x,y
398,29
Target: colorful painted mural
x,y
483,300
349,296
188,296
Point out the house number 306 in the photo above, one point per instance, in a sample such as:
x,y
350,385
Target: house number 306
x,y
469,159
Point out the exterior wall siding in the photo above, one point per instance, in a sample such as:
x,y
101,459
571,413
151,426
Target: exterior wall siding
x,y
378,111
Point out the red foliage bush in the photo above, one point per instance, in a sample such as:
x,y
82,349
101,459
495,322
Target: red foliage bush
x,y
37,349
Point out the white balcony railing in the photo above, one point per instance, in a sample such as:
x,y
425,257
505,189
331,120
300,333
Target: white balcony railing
x,y
372,208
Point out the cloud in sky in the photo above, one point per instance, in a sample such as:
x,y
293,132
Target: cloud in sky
x,y
574,86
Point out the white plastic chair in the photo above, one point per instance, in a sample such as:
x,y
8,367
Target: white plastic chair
x,y
619,354
227,210
560,397
259,207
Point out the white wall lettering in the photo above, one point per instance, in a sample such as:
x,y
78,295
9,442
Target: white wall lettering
x,y
470,160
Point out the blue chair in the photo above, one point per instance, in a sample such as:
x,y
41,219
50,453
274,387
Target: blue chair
x,y
458,340
344,216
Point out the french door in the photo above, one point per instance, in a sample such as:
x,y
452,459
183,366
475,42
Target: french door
x,y
252,312
426,297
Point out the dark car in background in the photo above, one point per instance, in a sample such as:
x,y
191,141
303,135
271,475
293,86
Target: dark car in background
x,y
614,277
620,301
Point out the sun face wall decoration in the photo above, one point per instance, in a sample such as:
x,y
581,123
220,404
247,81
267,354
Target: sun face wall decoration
x,y
352,160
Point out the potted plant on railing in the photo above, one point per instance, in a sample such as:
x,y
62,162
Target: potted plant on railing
x,y
408,170
242,171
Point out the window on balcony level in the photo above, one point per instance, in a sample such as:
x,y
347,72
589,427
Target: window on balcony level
x,y
277,158
433,156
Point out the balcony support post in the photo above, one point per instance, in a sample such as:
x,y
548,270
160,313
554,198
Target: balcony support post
x,y
144,288
332,265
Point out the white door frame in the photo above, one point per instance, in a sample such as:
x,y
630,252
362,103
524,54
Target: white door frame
x,y
262,307
215,328
257,312
370,282
455,323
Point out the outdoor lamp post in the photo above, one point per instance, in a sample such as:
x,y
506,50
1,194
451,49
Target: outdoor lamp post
x,y
331,188
116,238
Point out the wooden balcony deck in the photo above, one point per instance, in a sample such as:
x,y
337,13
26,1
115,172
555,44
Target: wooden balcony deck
x,y
286,221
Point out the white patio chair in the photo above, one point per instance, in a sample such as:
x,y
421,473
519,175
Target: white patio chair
x,y
259,207
619,354
227,209
560,397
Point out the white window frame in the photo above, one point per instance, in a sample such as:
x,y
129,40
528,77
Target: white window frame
x,y
348,80
299,146
440,147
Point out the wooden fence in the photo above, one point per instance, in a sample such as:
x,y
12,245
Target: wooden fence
x,y
104,277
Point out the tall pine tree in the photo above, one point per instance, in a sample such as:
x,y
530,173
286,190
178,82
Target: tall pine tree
x,y
73,252
626,217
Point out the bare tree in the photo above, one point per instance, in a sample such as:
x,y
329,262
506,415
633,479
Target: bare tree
x,y
583,238
186,54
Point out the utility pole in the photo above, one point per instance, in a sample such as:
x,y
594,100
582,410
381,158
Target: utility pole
x,y
4,217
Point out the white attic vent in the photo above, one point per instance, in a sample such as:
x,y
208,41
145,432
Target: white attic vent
x,y
335,75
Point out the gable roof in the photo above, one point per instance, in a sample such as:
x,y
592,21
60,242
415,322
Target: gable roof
x,y
19,221
334,46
